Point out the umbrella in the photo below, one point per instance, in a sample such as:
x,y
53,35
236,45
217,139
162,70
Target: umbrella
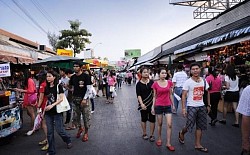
x,y
59,61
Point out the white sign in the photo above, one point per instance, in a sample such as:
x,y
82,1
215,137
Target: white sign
x,y
5,70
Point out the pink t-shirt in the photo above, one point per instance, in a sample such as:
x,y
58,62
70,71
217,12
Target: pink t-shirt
x,y
111,80
162,94
216,83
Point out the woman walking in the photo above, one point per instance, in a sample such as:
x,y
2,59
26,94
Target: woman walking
x,y
30,96
215,93
111,81
232,94
163,104
54,119
144,94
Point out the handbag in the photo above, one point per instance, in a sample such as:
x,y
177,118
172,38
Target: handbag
x,y
64,105
32,99
111,89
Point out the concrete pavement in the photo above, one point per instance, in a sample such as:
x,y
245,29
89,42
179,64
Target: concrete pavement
x,y
116,130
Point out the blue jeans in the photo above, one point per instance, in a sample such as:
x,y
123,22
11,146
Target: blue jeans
x,y
177,91
57,121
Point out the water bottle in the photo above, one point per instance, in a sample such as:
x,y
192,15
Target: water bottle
x,y
12,98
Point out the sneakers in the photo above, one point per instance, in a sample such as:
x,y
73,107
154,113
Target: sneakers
x,y
92,112
43,142
145,137
223,121
45,147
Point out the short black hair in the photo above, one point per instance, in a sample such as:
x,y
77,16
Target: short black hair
x,y
180,66
68,71
194,64
63,69
79,63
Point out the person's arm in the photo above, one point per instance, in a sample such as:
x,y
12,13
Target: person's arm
x,y
153,105
49,107
40,99
184,97
171,97
138,93
245,131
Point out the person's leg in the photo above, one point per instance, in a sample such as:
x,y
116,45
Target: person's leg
x,y
159,125
151,119
235,104
77,116
245,132
144,123
45,129
198,135
60,130
169,128
50,132
31,111
224,111
92,104
86,119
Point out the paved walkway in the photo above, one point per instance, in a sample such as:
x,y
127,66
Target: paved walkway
x,y
116,130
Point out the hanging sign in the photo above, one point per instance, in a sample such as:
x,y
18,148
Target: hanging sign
x,y
5,70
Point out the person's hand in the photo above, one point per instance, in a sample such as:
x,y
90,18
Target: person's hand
x,y
84,102
208,109
184,113
144,107
49,107
153,111
39,110
173,108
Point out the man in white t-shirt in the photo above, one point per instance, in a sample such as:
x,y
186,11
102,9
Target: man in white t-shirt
x,y
244,109
178,80
196,112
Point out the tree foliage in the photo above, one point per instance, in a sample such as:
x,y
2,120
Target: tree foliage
x,y
53,39
74,38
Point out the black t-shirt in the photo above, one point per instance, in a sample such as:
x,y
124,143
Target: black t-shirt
x,y
146,93
51,93
80,82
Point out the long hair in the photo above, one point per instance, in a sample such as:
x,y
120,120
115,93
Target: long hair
x,y
230,71
26,79
212,71
56,81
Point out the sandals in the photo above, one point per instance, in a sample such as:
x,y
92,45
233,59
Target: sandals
x,y
158,142
43,142
145,137
202,149
85,137
180,139
151,138
79,132
170,148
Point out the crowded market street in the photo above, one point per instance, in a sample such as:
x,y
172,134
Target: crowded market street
x,y
115,130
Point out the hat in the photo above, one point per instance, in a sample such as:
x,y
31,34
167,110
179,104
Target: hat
x,y
42,73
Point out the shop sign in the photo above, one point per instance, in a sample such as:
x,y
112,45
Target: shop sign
x,y
5,70
132,53
64,52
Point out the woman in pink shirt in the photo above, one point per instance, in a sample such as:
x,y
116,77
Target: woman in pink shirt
x,y
111,86
162,102
215,93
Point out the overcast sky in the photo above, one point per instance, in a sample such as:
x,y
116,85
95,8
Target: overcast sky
x,y
116,25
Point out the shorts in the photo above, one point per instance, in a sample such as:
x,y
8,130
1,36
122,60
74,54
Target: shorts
x,y
100,86
163,110
198,116
146,115
232,96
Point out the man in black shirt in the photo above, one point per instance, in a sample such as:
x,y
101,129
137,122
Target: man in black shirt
x,y
81,83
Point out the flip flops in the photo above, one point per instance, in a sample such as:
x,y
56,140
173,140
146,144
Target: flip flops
x,y
170,148
181,140
158,142
202,149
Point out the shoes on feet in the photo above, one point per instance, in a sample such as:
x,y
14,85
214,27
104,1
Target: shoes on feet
x,y
69,145
45,147
43,142
80,130
97,96
29,133
151,138
236,125
223,121
92,112
170,148
85,137
145,137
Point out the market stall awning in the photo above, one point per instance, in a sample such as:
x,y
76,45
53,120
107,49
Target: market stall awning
x,y
15,58
148,56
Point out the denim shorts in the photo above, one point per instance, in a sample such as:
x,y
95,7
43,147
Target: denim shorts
x,y
163,110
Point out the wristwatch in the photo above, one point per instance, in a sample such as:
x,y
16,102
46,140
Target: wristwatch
x,y
209,105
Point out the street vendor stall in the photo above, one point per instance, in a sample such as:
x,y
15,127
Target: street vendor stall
x,y
10,110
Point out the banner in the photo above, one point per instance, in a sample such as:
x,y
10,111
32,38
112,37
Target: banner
x,y
64,52
5,70
132,53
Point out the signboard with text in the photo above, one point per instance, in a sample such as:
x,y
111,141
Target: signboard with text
x,y
5,70
64,52
132,53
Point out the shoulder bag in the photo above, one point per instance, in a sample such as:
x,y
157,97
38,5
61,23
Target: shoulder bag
x,y
64,105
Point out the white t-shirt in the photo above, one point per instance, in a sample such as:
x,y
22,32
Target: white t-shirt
x,y
244,103
179,78
195,92
233,85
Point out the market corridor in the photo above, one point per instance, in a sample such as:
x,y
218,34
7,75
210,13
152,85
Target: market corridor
x,y
116,130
